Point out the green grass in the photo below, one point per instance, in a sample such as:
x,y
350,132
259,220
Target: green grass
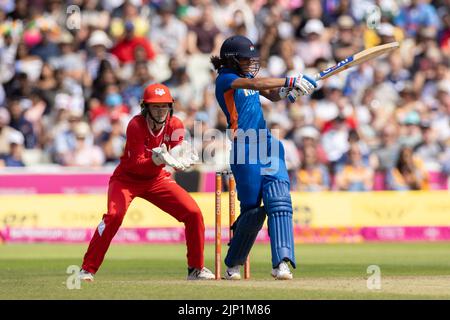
x,y
333,271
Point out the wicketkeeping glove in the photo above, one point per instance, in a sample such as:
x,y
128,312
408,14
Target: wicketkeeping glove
x,y
161,156
185,154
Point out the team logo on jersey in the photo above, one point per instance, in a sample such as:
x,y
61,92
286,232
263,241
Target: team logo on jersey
x,y
166,137
249,92
160,91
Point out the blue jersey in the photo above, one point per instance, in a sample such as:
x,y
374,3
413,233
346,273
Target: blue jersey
x,y
241,106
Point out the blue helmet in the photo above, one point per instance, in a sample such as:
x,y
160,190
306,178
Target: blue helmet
x,y
239,47
235,48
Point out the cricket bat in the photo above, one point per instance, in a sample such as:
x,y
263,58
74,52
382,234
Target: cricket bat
x,y
351,61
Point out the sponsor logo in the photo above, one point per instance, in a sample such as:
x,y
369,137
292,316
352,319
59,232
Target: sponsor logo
x,y
339,65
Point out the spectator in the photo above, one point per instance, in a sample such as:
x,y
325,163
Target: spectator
x,y
389,149
345,43
98,44
14,157
84,153
308,137
168,33
129,11
94,16
410,133
314,46
27,63
5,131
113,142
408,174
140,80
415,15
445,160
47,48
355,175
112,107
106,76
312,175
125,48
430,151
47,86
312,9
181,87
204,37
69,59
65,140
335,139
354,141
444,34
7,57
21,124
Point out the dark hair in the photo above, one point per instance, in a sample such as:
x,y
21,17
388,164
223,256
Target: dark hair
x,y
217,62
233,63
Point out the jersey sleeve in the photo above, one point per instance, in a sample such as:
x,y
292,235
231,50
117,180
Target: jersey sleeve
x,y
137,156
225,80
176,132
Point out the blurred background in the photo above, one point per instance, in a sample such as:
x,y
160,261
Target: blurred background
x,y
72,74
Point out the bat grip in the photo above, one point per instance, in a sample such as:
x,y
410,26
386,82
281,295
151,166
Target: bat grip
x,y
292,96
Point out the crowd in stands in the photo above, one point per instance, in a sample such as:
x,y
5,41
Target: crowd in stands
x,y
70,80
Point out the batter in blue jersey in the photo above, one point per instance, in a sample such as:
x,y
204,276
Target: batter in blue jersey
x,y
257,158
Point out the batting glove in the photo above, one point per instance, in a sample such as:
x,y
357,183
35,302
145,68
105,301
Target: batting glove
x,y
283,92
302,85
305,85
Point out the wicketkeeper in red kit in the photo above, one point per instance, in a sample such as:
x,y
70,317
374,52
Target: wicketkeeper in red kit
x,y
154,139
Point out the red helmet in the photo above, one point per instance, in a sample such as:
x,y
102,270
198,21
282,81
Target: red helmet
x,y
157,93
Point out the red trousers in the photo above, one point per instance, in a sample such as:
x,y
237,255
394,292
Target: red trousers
x,y
163,192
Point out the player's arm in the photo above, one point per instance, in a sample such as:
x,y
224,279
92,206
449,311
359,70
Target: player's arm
x,y
276,89
275,94
258,83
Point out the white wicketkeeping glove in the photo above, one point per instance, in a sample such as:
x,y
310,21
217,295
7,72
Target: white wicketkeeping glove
x,y
185,154
160,156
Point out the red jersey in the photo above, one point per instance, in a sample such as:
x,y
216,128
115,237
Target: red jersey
x,y
124,50
136,162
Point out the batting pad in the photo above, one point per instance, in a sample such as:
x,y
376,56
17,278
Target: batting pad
x,y
277,201
245,230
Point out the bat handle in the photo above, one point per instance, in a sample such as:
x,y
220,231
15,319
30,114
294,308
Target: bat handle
x,y
317,77
293,95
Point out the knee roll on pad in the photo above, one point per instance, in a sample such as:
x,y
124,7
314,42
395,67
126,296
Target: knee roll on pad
x,y
245,231
277,201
